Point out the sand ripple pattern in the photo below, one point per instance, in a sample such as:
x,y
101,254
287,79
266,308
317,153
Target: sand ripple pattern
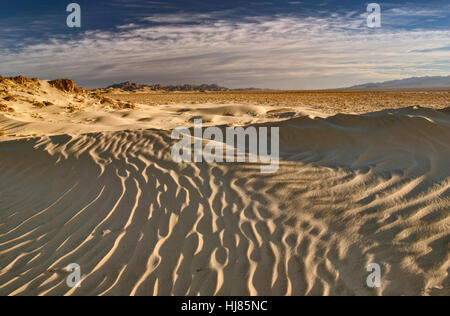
x,y
351,190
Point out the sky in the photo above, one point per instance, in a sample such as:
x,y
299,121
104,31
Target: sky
x,y
284,44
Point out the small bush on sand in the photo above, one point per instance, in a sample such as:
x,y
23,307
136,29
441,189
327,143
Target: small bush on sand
x,y
10,98
42,104
38,104
71,108
105,100
5,108
125,106
21,80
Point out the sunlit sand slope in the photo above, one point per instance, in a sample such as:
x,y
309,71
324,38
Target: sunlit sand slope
x,y
351,191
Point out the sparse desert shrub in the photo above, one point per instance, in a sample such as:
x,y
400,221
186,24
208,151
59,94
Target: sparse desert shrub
x,y
39,104
105,100
21,80
125,106
42,104
71,108
192,119
5,108
10,98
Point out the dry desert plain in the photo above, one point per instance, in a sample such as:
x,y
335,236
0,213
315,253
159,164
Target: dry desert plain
x,y
87,177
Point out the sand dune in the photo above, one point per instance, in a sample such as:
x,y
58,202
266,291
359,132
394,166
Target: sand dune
x,y
351,190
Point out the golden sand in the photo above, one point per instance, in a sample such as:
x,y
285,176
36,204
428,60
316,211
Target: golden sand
x,y
89,181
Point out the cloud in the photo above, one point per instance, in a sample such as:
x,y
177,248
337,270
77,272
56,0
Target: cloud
x,y
410,12
185,18
267,51
434,49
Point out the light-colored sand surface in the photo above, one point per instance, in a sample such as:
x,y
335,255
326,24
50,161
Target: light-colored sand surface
x,y
97,186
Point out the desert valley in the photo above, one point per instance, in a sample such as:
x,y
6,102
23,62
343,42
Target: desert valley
x,y
87,177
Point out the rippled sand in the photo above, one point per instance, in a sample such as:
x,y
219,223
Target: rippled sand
x,y
97,187
351,190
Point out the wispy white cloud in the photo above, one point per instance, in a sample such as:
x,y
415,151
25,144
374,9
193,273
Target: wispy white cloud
x,y
277,51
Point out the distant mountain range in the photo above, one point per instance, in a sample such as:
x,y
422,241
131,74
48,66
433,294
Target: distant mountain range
x,y
410,83
416,83
132,86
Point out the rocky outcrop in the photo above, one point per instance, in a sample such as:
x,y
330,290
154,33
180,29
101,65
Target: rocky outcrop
x,y
20,80
66,85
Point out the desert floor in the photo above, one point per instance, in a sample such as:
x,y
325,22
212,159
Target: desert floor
x,y
84,178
